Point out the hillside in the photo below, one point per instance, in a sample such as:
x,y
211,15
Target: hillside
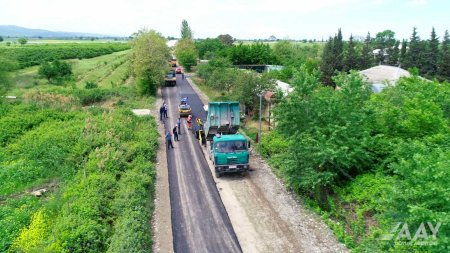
x,y
18,31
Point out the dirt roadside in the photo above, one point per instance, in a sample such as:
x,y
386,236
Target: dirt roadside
x,y
161,220
265,216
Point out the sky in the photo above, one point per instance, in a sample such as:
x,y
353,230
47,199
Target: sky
x,y
242,19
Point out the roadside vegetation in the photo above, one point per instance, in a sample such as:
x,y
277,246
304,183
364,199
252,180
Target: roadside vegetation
x,y
374,165
77,143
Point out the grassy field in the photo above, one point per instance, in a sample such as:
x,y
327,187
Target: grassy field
x,y
93,158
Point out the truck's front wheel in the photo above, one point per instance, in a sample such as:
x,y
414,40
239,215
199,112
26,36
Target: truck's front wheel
x,y
218,174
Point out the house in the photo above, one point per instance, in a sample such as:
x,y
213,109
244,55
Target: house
x,y
380,76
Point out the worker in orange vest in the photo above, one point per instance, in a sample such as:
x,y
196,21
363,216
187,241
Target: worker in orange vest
x,y
189,121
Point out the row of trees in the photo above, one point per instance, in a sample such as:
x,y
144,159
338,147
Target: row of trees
x,y
432,59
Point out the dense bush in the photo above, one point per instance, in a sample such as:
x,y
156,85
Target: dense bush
x,y
36,54
368,160
56,71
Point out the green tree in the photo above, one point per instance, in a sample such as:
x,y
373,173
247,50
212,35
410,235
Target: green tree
x,y
351,57
327,130
402,57
22,41
444,59
186,53
149,56
1,38
338,51
432,55
186,32
284,51
384,41
366,60
209,48
226,39
414,53
327,66
393,54
56,71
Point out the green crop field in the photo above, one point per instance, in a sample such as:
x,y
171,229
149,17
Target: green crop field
x,y
35,54
93,158
106,71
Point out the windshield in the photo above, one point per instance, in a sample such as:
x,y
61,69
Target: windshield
x,y
230,146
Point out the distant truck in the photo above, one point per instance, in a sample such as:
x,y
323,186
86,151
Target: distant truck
x,y
170,79
227,149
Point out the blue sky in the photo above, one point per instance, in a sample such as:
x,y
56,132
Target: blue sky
x,y
244,19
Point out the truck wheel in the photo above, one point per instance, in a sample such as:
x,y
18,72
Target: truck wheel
x,y
218,174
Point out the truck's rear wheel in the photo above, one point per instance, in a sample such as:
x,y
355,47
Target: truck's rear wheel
x,y
218,174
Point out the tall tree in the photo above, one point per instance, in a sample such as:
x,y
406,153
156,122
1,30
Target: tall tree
x,y
338,51
327,66
366,59
186,53
149,56
444,59
351,58
432,56
414,52
186,32
402,57
393,54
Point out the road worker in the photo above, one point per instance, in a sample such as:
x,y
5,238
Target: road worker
x,y
189,121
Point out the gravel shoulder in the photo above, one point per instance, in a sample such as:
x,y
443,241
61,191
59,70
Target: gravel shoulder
x,y
161,221
265,216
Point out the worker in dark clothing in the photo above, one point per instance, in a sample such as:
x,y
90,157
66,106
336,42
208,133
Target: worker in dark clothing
x,y
175,133
169,140
179,125
165,110
161,113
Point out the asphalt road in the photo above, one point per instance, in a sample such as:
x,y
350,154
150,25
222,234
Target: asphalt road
x,y
200,222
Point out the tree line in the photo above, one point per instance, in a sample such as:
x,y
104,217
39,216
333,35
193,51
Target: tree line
x,y
430,57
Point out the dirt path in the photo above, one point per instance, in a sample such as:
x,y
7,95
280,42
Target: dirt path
x,y
265,216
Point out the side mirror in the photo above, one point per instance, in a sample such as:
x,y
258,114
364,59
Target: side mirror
x,y
248,144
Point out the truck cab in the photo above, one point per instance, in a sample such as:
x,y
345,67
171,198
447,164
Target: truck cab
x,y
229,153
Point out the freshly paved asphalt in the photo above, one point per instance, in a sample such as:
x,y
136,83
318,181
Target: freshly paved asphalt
x,y
200,222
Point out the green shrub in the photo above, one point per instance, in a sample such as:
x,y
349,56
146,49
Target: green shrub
x,y
90,85
15,214
56,71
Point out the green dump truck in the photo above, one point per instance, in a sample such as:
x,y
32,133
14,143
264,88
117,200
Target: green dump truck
x,y
227,149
